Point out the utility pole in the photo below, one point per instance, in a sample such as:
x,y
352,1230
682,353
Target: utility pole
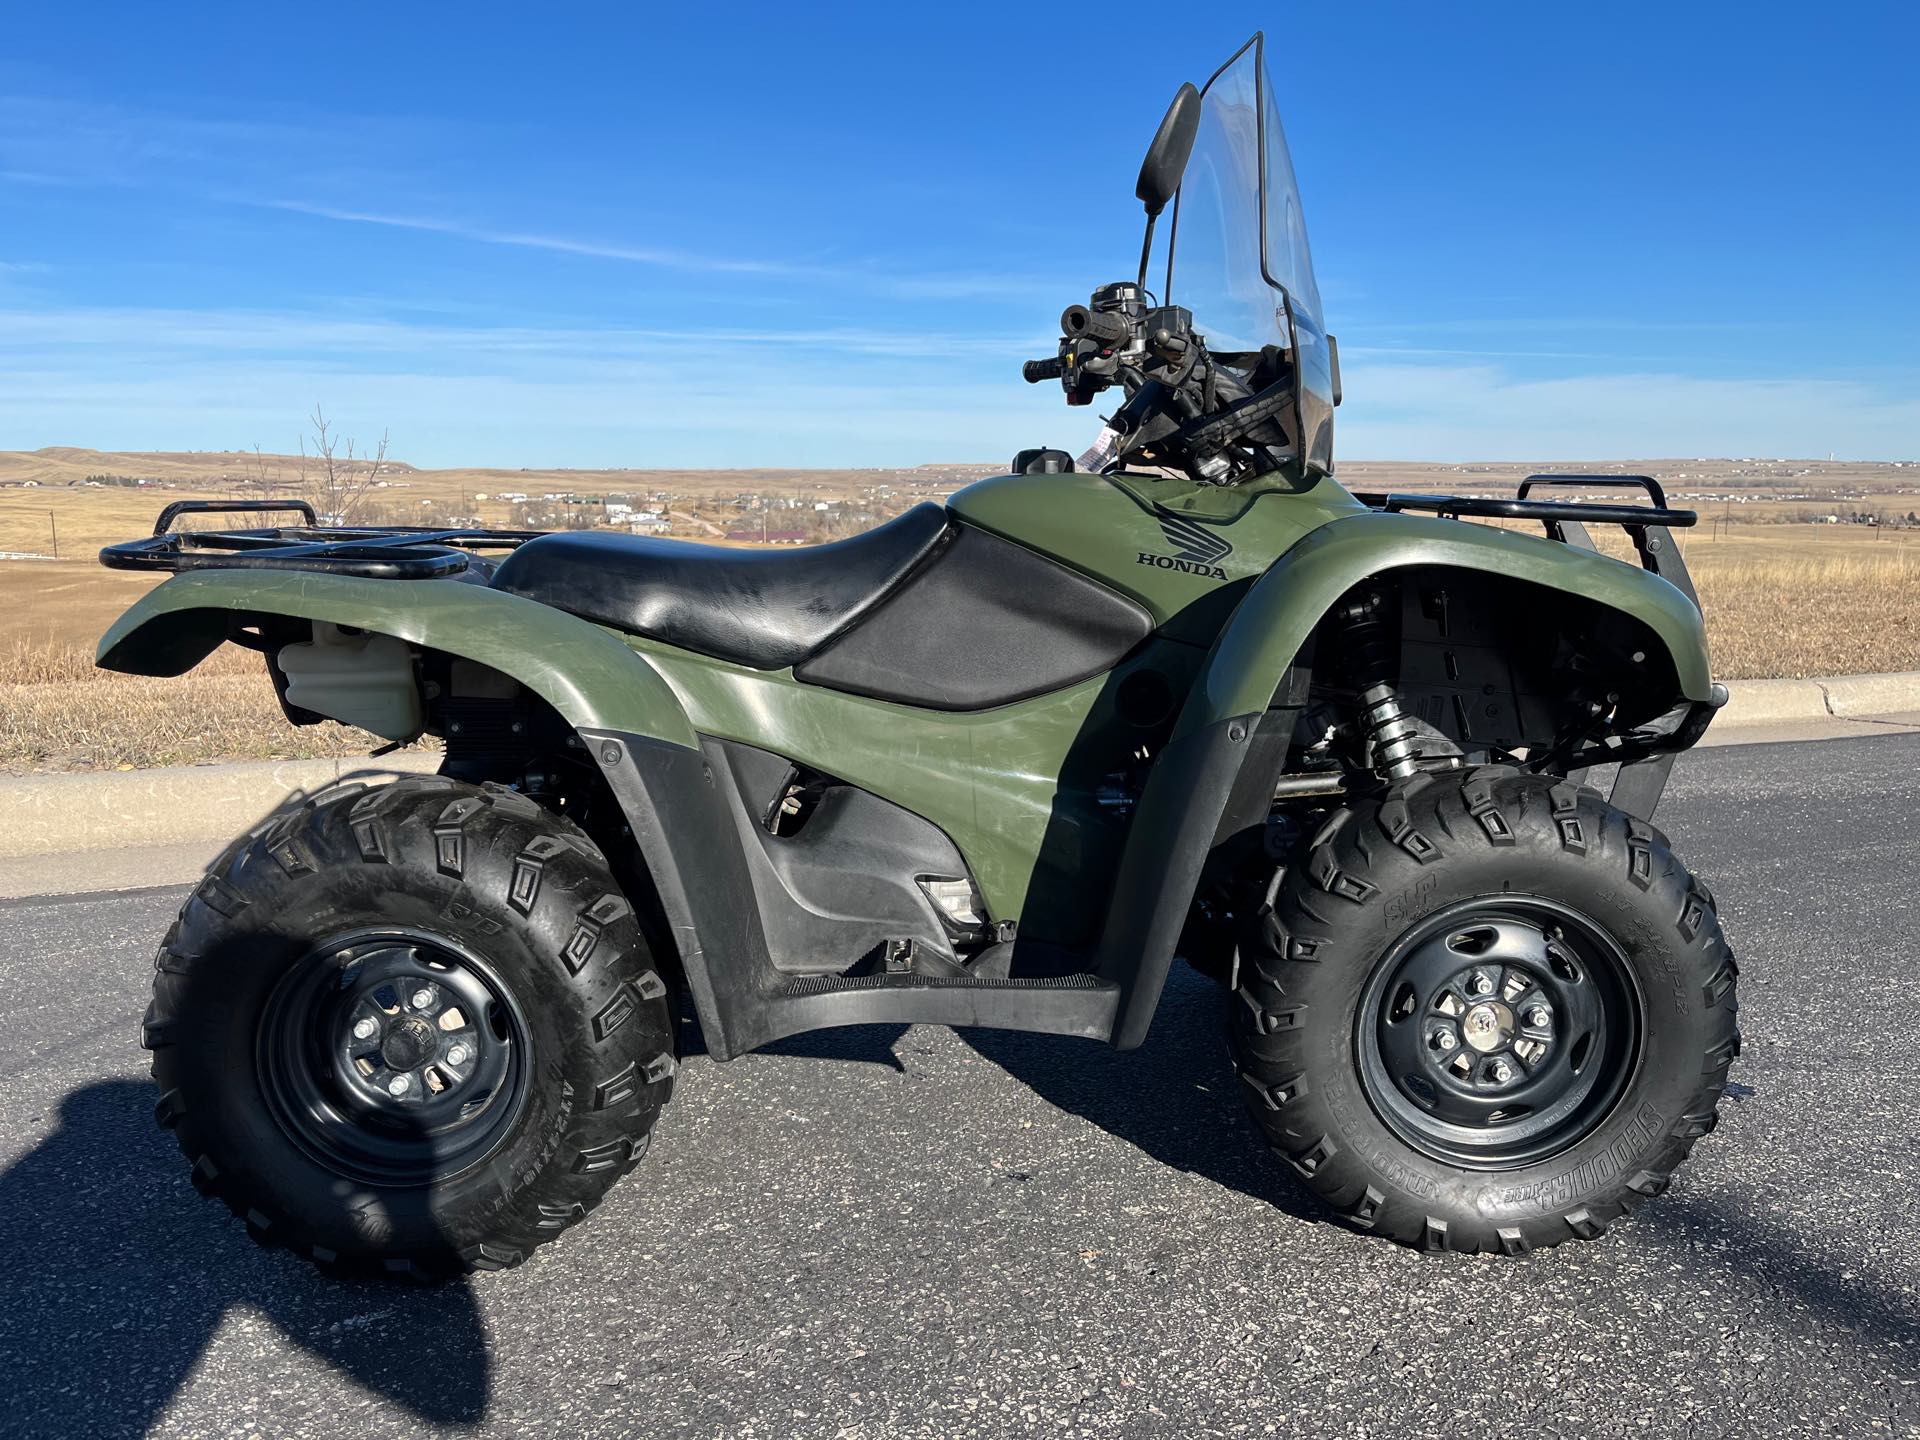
x,y
54,525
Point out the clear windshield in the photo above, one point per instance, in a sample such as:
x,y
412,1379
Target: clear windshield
x,y
1216,269
1239,259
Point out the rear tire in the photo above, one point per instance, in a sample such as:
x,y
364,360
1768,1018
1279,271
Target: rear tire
x,y
413,1030
1382,1059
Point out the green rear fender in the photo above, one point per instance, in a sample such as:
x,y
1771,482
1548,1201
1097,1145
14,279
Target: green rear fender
x,y
1285,604
587,674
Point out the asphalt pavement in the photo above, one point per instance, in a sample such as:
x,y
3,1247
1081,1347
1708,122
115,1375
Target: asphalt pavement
x,y
919,1232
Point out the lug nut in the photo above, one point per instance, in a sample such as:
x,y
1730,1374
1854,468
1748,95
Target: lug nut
x,y
422,998
365,1027
457,1055
1444,1040
1502,1072
1482,983
398,1086
1538,1017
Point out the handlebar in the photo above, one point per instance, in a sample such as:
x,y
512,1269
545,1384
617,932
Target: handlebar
x,y
1035,371
1105,327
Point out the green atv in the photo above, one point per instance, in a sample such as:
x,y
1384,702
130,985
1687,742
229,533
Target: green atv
x,y
992,763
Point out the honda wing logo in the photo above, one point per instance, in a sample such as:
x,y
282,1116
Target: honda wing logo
x,y
1196,549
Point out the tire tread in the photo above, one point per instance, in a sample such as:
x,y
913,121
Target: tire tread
x,y
1499,809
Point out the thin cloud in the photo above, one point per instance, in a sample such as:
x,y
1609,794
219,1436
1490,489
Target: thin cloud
x,y
1377,352
1404,410
149,331
54,143
933,287
558,244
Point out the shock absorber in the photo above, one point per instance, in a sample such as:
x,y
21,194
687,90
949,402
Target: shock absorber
x,y
1370,653
1390,734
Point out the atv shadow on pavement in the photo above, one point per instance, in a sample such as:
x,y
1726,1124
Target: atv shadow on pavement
x,y
1175,1097
118,1277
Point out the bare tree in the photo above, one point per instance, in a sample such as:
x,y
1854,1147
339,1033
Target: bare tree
x,y
262,474
337,480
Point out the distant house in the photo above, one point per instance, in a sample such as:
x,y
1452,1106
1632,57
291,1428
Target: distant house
x,y
772,537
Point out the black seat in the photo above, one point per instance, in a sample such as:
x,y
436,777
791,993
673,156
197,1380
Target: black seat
x,y
764,608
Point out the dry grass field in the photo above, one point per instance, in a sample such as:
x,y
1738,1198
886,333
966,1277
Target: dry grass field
x,y
45,502
58,713
1800,600
1780,599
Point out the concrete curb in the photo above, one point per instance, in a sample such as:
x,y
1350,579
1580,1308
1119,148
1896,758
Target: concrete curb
x,y
1773,702
47,815
110,810
1871,694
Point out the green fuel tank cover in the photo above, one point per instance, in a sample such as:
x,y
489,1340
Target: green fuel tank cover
x,y
1186,552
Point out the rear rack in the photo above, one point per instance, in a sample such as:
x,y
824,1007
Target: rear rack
x,y
377,552
1566,520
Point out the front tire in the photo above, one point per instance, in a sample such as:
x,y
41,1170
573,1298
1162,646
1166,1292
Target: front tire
x,y
1488,1014
413,1030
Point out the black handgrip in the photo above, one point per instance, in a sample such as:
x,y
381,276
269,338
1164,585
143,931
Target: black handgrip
x,y
1037,370
228,507
1103,327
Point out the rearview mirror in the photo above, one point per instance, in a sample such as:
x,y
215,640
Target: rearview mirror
x,y
1167,157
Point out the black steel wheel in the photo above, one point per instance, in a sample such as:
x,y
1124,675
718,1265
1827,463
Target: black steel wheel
x,y
414,1030
1484,1012
396,1058
1498,1032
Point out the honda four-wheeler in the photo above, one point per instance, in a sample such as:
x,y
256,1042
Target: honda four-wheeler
x,y
994,762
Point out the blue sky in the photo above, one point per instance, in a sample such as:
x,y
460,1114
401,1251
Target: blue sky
x,y
735,235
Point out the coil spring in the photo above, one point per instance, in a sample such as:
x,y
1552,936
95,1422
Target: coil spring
x,y
1391,736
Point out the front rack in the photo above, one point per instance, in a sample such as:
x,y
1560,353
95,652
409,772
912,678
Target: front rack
x,y
1566,520
385,552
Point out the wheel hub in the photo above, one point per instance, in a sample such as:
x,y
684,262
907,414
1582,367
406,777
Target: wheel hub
x,y
408,1044
1498,1032
1487,1027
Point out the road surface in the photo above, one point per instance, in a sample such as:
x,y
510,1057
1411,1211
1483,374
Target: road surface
x,y
917,1233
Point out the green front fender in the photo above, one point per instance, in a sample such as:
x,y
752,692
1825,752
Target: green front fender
x,y
1278,614
586,673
